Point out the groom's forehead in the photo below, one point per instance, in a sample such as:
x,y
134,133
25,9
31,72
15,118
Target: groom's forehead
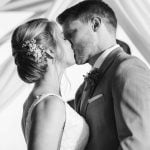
x,y
71,25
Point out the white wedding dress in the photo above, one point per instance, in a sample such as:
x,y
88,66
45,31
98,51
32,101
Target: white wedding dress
x,y
76,131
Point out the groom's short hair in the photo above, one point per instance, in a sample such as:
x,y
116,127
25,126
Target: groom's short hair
x,y
85,10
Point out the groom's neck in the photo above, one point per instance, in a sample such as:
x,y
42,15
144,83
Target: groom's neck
x,y
93,59
100,50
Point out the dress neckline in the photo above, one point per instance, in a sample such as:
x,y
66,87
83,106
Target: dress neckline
x,y
42,96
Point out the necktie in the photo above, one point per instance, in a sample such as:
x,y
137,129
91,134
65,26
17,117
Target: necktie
x,y
89,85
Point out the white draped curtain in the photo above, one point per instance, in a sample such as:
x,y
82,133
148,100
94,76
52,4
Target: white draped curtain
x,y
134,17
134,28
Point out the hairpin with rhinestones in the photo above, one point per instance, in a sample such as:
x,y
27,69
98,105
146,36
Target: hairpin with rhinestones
x,y
35,50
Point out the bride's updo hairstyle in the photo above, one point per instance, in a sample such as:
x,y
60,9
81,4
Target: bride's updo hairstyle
x,y
31,43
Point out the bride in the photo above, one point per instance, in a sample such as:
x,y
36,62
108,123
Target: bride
x,y
41,55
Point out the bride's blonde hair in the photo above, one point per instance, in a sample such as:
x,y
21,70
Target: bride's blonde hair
x,y
31,42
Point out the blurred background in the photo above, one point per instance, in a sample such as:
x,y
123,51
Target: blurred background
x,y
134,29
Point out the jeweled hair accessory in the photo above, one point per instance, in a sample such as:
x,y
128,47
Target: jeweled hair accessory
x,y
35,50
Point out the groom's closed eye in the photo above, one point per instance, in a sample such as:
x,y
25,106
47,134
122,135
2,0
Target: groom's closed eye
x,y
69,35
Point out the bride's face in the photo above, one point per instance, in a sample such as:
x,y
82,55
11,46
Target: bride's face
x,y
64,47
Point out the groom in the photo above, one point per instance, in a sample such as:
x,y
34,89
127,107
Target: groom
x,y
115,97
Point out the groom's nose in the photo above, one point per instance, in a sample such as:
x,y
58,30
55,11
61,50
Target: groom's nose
x,y
71,44
73,47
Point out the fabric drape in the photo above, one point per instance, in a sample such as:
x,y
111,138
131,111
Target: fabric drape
x,y
134,25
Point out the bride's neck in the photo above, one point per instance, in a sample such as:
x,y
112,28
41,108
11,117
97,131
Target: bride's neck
x,y
51,81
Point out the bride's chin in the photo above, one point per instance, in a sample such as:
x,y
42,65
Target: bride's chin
x,y
69,64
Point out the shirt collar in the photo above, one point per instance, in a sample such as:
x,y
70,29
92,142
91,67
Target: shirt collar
x,y
102,57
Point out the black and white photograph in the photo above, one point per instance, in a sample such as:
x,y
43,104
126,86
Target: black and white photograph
x,y
75,75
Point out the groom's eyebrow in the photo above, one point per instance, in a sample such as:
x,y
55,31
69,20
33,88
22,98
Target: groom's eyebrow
x,y
67,34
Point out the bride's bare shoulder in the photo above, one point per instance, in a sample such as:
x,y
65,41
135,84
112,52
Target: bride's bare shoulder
x,y
49,107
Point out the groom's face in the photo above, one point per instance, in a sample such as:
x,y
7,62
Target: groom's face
x,y
80,36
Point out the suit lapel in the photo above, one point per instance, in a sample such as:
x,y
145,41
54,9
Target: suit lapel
x,y
102,70
78,97
109,61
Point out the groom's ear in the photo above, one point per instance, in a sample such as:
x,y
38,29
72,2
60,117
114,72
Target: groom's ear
x,y
96,23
